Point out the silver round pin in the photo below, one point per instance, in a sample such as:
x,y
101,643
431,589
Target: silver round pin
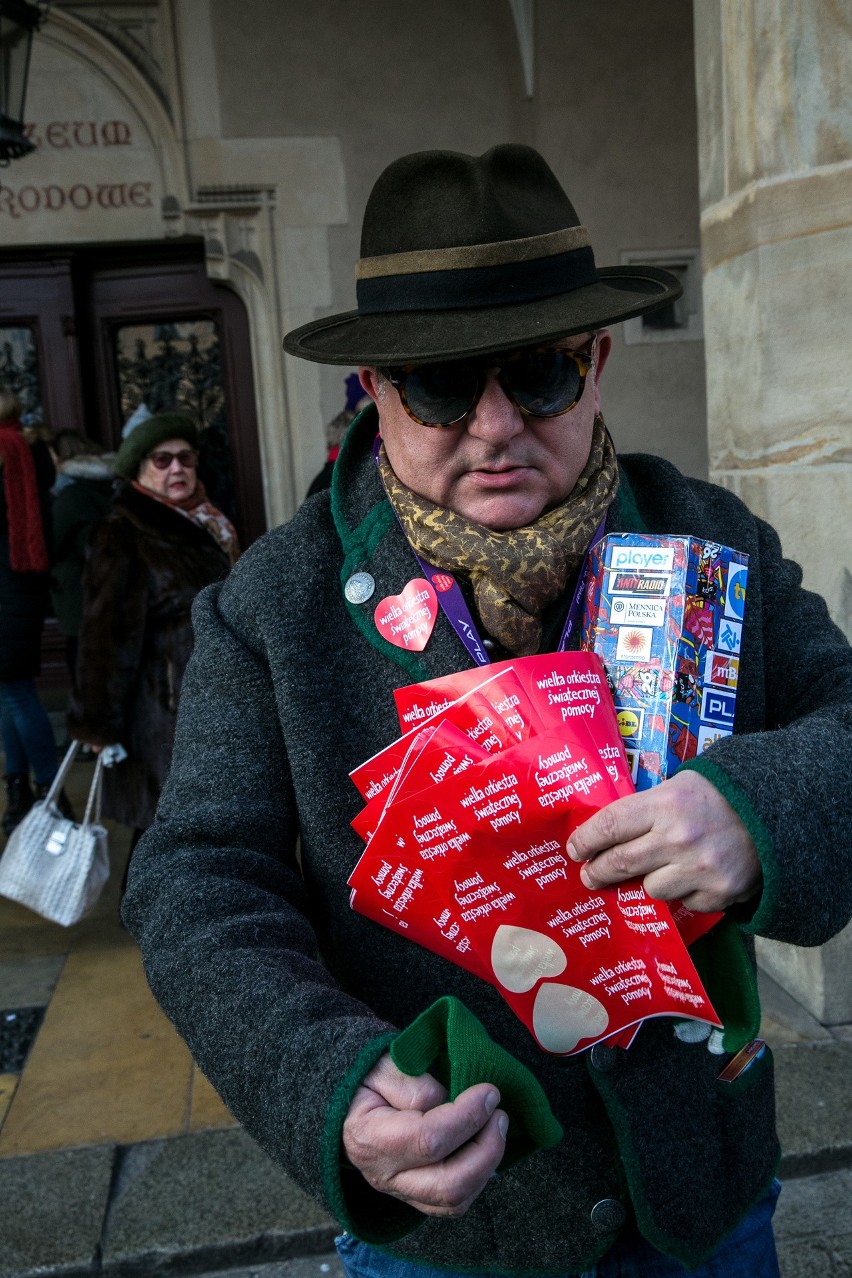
x,y
359,588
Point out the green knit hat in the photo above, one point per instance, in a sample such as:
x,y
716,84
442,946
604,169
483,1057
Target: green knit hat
x,y
145,437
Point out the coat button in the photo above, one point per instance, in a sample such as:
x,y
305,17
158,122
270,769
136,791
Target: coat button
x,y
608,1215
359,588
603,1058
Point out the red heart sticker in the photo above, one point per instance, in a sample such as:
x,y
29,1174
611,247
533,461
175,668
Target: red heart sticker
x,y
442,581
407,620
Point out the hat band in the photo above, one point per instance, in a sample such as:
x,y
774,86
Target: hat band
x,y
478,286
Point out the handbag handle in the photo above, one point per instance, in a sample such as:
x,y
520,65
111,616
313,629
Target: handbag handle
x,y
94,799
64,768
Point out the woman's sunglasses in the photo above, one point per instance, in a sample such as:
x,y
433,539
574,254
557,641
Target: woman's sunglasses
x,y
163,459
542,382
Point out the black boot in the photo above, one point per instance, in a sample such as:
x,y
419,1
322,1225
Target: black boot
x,y
62,801
19,800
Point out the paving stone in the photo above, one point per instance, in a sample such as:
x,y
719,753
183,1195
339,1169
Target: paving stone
x,y
53,1207
814,1113
30,980
215,1194
783,1019
813,1226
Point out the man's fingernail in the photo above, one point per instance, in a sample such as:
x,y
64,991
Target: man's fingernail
x,y
503,1124
491,1101
572,851
584,875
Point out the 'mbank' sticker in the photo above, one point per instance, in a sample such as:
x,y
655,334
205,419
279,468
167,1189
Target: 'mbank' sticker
x,y
730,635
721,669
641,612
717,707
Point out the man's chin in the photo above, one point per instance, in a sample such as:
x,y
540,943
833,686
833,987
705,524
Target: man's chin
x,y
501,512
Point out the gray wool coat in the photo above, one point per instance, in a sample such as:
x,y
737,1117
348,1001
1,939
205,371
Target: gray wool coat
x,y
286,997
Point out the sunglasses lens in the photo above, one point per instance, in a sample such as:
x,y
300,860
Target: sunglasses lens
x,y
438,394
163,460
544,383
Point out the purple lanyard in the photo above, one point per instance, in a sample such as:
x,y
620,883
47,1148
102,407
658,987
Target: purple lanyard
x,y
455,607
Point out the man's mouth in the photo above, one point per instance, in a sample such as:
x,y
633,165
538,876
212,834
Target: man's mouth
x,y
498,476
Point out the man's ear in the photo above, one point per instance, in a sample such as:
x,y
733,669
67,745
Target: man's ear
x,y
369,379
602,350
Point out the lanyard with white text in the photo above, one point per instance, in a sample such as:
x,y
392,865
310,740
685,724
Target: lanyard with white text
x,y
454,604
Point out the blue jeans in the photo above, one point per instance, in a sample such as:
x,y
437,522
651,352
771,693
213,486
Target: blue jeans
x,y
749,1252
28,740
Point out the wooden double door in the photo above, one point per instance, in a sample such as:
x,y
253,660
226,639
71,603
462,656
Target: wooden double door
x,y
89,336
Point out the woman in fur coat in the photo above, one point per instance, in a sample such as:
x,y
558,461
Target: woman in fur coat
x,y
161,543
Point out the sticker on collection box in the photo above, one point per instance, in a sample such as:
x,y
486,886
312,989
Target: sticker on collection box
x,y
674,679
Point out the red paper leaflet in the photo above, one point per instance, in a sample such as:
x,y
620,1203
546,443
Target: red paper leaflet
x,y
389,884
478,856
493,712
565,687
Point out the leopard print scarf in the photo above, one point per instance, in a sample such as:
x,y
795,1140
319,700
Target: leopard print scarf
x,y
517,573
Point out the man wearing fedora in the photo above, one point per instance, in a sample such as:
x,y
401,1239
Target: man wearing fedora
x,y
395,1087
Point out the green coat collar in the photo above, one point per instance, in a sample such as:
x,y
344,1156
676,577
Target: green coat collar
x,y
373,542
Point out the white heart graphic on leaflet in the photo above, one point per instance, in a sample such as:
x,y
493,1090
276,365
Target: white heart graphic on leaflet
x,y
564,1015
520,957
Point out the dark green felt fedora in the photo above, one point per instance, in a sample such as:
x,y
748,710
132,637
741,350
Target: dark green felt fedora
x,y
463,254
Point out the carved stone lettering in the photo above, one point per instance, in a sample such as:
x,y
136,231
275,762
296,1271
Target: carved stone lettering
x,y
28,198
112,197
140,195
116,133
85,133
53,198
80,196
56,135
65,135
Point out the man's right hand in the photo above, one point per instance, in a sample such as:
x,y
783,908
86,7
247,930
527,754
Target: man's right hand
x,y
409,1141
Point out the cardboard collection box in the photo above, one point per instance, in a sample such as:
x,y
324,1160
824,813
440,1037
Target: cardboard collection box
x,y
665,615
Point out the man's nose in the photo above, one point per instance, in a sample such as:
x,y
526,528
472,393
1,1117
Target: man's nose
x,y
494,416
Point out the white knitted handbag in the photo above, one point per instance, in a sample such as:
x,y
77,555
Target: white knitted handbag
x,y
55,866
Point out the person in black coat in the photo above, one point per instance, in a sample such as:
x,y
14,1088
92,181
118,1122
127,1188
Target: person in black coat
x,y
161,543
28,742
82,498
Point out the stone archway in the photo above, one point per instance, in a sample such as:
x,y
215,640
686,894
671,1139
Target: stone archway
x,y
114,164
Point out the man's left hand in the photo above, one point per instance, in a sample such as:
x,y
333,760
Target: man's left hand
x,y
682,838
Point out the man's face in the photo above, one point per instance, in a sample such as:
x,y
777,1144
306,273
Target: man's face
x,y
498,467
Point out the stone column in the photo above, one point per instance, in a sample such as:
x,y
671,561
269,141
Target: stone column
x,y
775,162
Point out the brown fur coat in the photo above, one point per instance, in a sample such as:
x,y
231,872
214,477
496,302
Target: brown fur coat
x,y
145,565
